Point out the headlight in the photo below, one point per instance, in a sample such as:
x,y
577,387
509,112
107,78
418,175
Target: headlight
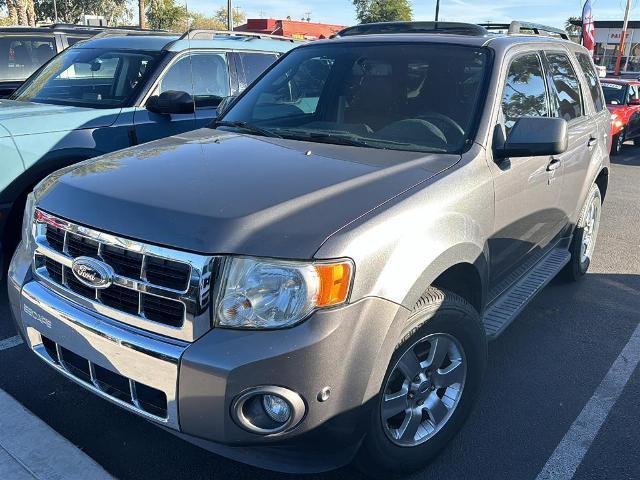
x,y
27,219
267,294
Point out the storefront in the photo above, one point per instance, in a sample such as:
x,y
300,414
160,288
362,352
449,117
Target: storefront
x,y
608,43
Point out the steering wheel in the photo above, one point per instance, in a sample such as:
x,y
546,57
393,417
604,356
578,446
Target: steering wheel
x,y
449,127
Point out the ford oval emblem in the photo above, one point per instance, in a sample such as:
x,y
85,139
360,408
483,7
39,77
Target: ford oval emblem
x,y
92,273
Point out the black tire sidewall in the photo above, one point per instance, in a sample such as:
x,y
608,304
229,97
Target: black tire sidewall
x,y
379,456
617,147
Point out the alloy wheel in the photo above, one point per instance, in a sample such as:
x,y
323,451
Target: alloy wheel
x,y
423,389
590,233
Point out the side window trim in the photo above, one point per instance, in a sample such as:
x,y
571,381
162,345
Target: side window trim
x,y
584,116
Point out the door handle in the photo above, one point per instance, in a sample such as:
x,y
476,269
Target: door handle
x,y
553,165
593,141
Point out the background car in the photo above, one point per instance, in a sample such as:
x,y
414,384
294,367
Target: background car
x,y
623,101
25,49
114,92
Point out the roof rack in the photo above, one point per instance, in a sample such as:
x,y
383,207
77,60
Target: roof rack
x,y
211,34
451,28
117,32
518,28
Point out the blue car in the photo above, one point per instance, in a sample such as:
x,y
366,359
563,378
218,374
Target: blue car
x,y
113,92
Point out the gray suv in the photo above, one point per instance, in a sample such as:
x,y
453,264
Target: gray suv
x,y
313,279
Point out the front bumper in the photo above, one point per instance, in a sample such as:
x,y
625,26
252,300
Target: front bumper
x,y
345,349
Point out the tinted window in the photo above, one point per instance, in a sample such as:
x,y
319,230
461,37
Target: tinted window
x,y
253,64
633,94
592,79
417,97
73,40
203,75
298,94
614,93
524,94
20,56
567,86
95,78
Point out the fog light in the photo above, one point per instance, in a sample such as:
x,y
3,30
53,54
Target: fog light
x,y
277,408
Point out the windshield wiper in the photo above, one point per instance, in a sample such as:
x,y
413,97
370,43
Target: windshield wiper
x,y
320,137
245,126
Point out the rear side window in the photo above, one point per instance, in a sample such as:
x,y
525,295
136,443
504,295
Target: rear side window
x,y
592,79
20,56
567,86
253,64
525,94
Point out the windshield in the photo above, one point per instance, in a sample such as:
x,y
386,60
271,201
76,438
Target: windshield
x,y
614,93
21,55
95,78
418,97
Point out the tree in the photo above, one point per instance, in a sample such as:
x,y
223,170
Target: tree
x,y
20,12
142,19
239,17
369,11
571,28
71,11
166,15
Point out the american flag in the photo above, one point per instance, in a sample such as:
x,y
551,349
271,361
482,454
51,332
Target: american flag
x,y
588,28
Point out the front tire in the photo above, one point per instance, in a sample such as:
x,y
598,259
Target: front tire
x,y
430,387
618,142
585,235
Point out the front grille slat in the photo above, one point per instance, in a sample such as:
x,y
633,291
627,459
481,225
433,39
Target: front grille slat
x,y
158,289
120,298
78,246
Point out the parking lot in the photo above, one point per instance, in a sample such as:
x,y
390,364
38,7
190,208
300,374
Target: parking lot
x,y
544,373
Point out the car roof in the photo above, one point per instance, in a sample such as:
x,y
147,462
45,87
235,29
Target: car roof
x,y
493,40
175,43
620,81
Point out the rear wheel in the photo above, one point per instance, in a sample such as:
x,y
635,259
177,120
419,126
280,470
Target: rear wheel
x,y
618,142
430,387
584,239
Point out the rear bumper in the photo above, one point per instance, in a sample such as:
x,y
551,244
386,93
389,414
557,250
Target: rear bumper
x,y
346,349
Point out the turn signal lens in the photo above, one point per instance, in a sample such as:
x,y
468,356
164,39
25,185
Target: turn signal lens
x,y
335,281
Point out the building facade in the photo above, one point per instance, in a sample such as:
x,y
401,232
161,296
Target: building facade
x,y
608,35
290,28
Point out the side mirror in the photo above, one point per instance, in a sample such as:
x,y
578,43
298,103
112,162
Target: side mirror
x,y
634,101
171,102
534,136
224,105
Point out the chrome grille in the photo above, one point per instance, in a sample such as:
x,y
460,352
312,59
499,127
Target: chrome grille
x,y
155,288
112,384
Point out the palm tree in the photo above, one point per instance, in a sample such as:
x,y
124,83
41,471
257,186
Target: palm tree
x,y
141,14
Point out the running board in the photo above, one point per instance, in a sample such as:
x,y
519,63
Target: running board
x,y
506,308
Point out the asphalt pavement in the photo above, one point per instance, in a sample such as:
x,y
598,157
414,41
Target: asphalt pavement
x,y
560,392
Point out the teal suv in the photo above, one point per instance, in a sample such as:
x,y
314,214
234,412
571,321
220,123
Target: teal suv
x,y
113,92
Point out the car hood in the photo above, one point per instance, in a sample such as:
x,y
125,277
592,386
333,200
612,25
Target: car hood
x,y
219,192
28,118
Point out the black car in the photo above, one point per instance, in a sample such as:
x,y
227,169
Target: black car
x,y
25,49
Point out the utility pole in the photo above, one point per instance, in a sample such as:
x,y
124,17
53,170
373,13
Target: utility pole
x,y
437,9
229,16
55,12
623,37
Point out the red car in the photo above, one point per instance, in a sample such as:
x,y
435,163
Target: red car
x,y
623,101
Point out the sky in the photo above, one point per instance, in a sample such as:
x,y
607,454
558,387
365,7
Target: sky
x,y
549,12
